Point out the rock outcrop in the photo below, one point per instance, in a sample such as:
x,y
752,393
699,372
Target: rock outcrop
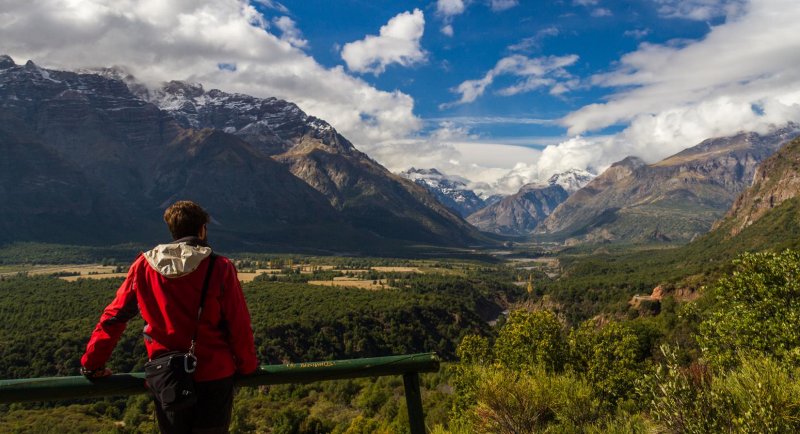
x,y
776,181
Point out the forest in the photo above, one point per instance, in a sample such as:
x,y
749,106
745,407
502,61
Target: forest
x,y
546,359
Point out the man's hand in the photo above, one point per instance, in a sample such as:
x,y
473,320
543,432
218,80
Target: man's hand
x,y
97,373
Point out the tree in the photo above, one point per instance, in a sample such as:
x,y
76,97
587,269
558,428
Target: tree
x,y
608,355
756,309
529,339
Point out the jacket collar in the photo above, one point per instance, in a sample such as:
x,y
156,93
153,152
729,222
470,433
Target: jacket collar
x,y
192,241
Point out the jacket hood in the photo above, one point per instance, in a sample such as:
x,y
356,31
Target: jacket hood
x,y
178,258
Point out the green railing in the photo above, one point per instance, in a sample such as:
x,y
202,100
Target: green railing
x,y
409,366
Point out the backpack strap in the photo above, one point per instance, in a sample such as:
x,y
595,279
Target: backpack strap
x,y
211,259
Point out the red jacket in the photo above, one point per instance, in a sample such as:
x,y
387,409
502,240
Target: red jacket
x,y
168,297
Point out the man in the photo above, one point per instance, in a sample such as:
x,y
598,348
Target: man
x,y
165,284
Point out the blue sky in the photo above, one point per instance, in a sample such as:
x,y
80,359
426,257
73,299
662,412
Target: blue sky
x,y
481,37
501,92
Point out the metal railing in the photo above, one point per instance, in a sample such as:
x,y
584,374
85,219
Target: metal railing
x,y
409,366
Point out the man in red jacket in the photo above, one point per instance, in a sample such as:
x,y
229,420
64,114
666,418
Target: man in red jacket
x,y
165,284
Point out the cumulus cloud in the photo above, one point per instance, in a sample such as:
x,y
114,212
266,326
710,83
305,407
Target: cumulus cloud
x,y
446,10
741,77
449,8
748,61
189,39
289,32
532,73
585,2
398,42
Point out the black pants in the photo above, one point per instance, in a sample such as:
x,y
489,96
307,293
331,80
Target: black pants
x,y
210,415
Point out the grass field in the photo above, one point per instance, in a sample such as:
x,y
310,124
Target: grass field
x,y
84,270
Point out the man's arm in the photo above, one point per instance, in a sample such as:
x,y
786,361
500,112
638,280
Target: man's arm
x,y
111,325
234,310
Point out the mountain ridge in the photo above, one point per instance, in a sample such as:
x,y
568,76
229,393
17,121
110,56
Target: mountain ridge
x,y
129,158
521,213
677,199
450,190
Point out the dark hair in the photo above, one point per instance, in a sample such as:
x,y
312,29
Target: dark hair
x,y
185,219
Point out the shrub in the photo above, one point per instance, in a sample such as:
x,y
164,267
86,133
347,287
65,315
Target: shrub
x,y
512,402
757,309
608,355
531,339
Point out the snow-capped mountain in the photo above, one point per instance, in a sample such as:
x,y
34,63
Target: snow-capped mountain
x,y
521,213
102,145
450,190
571,180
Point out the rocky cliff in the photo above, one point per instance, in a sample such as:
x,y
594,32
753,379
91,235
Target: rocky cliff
x,y
776,181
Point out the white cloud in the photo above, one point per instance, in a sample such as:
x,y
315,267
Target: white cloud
x,y
585,2
491,167
601,12
188,39
446,10
533,42
533,73
273,5
449,131
398,42
742,76
700,10
501,5
289,32
449,8
750,60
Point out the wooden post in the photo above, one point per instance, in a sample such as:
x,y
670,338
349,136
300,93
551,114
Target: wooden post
x,y
416,417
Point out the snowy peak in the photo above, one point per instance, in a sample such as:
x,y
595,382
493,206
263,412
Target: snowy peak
x,y
274,126
450,190
571,180
434,177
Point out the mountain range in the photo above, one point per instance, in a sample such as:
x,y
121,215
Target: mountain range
x,y
520,213
676,199
450,190
95,157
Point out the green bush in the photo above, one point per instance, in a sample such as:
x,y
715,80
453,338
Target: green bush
x,y
513,402
531,339
609,356
756,309
761,395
